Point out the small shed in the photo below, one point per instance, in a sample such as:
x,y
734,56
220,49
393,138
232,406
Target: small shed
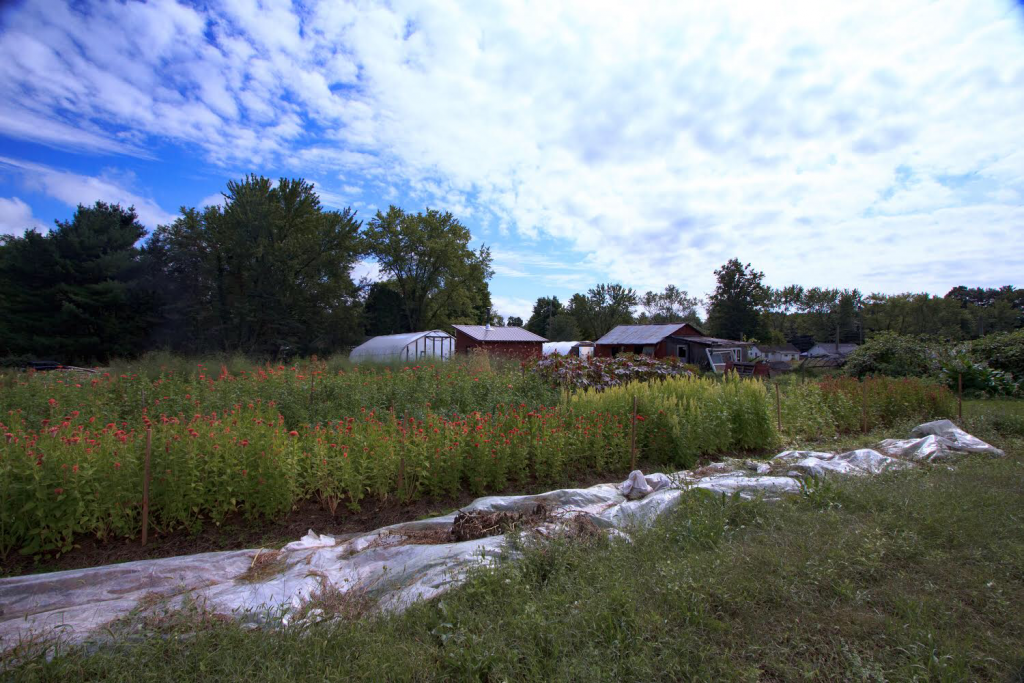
x,y
648,340
410,346
831,349
576,349
514,342
775,353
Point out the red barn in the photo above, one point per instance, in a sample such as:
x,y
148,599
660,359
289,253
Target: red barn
x,y
514,342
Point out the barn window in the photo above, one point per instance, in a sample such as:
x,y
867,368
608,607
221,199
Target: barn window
x,y
681,351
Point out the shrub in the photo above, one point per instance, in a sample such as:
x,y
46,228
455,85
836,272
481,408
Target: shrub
x,y
978,378
893,355
1003,351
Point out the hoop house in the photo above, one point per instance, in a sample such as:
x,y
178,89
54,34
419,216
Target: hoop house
x,y
407,346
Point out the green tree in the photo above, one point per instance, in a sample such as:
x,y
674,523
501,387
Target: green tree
x,y
831,314
734,309
670,306
602,308
427,255
268,273
514,321
781,305
383,312
546,308
562,327
77,293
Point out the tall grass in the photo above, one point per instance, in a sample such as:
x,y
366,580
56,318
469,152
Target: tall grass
x,y
686,417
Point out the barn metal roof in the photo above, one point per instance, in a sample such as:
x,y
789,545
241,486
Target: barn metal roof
x,y
499,334
713,341
639,334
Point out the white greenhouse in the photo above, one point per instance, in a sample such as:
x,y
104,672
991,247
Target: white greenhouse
x,y
402,347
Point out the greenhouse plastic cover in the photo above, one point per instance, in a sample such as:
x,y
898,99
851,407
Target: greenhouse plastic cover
x,y
74,605
390,346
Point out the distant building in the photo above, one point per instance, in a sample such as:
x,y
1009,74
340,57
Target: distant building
x,y
506,341
410,346
684,341
575,349
830,349
775,352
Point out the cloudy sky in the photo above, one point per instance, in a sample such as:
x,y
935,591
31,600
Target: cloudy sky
x,y
877,145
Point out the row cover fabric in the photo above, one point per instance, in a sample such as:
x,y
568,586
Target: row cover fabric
x,y
74,605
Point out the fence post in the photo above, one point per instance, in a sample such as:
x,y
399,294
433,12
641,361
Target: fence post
x,y
778,406
632,439
960,397
145,486
864,406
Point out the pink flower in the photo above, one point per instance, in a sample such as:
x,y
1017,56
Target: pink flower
x,y
293,433
58,491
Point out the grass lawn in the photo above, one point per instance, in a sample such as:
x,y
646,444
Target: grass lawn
x,y
916,575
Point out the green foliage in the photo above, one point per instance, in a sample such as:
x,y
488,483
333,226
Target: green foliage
x,y
514,321
734,309
267,274
383,311
893,355
978,379
602,308
427,256
670,306
79,292
909,576
685,417
562,327
836,405
1004,351
546,308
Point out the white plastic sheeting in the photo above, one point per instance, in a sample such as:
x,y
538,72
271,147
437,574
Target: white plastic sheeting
x,y
409,346
939,440
74,604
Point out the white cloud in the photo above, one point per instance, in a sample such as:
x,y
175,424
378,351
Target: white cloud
x,y
655,139
366,269
16,217
74,189
511,305
216,199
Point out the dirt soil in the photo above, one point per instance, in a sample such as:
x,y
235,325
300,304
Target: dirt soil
x,y
238,533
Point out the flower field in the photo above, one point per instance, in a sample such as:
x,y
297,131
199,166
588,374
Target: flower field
x,y
261,440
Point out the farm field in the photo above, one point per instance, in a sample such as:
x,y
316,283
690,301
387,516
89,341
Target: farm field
x,y
235,444
915,575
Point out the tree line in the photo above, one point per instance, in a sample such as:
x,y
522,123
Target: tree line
x,y
742,307
269,273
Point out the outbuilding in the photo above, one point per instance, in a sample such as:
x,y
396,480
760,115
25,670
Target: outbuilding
x,y
410,346
774,353
831,349
684,341
514,342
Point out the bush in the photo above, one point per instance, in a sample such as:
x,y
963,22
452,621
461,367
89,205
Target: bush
x,y
1003,351
893,355
978,378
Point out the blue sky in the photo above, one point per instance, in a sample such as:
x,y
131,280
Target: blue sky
x,y
876,145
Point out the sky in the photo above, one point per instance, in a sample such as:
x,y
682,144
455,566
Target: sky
x,y
877,145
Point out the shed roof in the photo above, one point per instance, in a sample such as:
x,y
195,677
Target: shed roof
x,y
777,348
640,334
712,341
499,334
392,344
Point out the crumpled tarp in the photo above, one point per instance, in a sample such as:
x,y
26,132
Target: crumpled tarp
x,y
396,568
936,441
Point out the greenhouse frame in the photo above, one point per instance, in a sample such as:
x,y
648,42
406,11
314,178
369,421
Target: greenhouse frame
x,y
408,346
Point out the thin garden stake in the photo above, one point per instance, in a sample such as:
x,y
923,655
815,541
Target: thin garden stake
x,y
145,487
632,440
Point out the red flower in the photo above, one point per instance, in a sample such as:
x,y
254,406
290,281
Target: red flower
x,y
58,491
53,401
245,442
293,433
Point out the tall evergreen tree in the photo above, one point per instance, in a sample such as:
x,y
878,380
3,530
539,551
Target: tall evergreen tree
x,y
78,292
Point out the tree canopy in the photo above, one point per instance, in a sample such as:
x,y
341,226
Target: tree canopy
x,y
427,257
735,307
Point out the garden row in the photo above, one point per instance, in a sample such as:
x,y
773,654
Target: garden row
x,y
79,473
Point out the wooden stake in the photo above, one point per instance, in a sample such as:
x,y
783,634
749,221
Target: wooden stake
x,y
778,406
864,406
632,440
960,397
145,486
